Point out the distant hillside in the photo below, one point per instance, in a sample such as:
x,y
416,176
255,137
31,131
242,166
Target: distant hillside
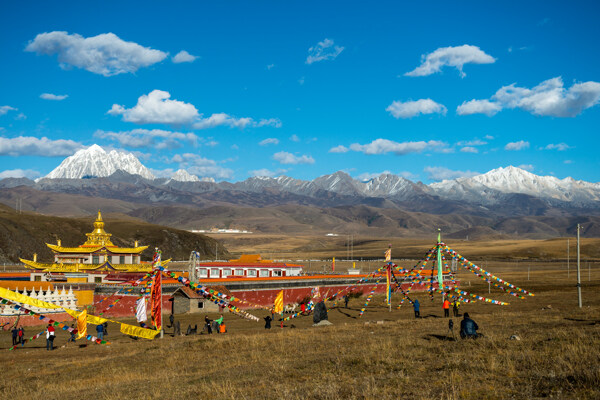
x,y
21,235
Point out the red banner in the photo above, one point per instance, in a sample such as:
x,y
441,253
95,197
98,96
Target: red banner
x,y
156,300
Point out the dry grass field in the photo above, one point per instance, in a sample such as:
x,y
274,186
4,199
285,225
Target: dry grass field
x,y
382,355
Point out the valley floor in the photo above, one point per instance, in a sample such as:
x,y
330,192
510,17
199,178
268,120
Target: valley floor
x,y
380,355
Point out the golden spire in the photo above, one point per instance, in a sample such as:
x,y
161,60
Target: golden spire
x,y
98,237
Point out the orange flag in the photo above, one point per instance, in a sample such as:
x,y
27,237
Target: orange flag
x,y
82,324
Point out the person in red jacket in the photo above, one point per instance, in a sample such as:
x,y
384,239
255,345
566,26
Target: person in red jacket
x,y
50,335
446,307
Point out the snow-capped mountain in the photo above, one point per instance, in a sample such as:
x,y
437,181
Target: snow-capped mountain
x,y
485,188
96,162
182,175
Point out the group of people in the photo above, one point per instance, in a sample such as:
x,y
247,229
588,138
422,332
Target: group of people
x,y
468,327
217,325
18,335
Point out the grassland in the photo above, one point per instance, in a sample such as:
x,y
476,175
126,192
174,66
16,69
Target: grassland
x,y
381,355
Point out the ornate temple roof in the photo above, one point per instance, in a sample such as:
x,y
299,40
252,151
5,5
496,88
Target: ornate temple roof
x,y
79,267
97,240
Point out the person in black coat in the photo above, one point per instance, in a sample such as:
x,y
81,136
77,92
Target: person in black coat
x,y
268,320
468,328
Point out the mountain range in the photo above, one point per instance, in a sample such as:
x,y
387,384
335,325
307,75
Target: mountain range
x,y
119,182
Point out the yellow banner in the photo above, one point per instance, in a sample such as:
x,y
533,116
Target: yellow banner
x,y
138,331
82,325
278,306
91,319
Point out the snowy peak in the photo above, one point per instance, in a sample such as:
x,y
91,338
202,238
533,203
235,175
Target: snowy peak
x,y
96,162
183,176
516,180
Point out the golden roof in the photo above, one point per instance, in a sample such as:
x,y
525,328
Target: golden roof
x,y
79,267
93,249
97,240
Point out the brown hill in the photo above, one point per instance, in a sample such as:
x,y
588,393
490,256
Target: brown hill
x,y
21,235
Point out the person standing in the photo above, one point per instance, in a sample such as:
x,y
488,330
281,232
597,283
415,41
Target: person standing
x,y
302,308
15,336
446,307
455,305
207,324
268,320
21,336
100,331
50,335
417,308
171,320
346,299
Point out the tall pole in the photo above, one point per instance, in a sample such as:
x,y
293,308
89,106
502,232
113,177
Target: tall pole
x,y
439,263
568,258
578,269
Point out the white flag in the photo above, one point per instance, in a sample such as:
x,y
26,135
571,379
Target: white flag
x,y
140,311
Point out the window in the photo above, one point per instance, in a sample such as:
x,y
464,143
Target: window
x,y
277,272
264,273
201,304
239,272
38,278
95,260
121,259
226,272
203,273
252,273
214,273
97,279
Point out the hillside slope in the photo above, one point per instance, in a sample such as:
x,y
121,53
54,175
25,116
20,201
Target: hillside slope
x,y
21,235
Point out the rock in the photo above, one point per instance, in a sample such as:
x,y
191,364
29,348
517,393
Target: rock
x,y
323,323
515,337
379,322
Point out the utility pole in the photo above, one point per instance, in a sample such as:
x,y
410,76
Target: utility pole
x,y
578,269
568,258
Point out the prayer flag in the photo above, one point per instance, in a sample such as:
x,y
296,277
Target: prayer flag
x,y
278,306
82,324
140,310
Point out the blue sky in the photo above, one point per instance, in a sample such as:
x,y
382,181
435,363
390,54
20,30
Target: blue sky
x,y
303,88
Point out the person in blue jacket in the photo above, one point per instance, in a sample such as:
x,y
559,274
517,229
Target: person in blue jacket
x,y
417,307
100,330
468,328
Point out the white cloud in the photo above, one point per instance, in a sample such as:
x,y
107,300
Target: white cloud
x,y
568,161
383,146
367,176
478,107
268,141
56,97
558,146
515,146
474,142
489,137
469,149
410,109
325,50
21,116
549,98
158,108
267,172
288,158
6,109
105,54
141,138
201,166
294,138
19,173
442,173
339,149
270,66
527,167
222,119
33,146
183,57
452,57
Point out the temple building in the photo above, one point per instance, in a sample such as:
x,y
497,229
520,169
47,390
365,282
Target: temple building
x,y
97,254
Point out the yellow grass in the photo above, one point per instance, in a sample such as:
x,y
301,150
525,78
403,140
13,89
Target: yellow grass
x,y
558,355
